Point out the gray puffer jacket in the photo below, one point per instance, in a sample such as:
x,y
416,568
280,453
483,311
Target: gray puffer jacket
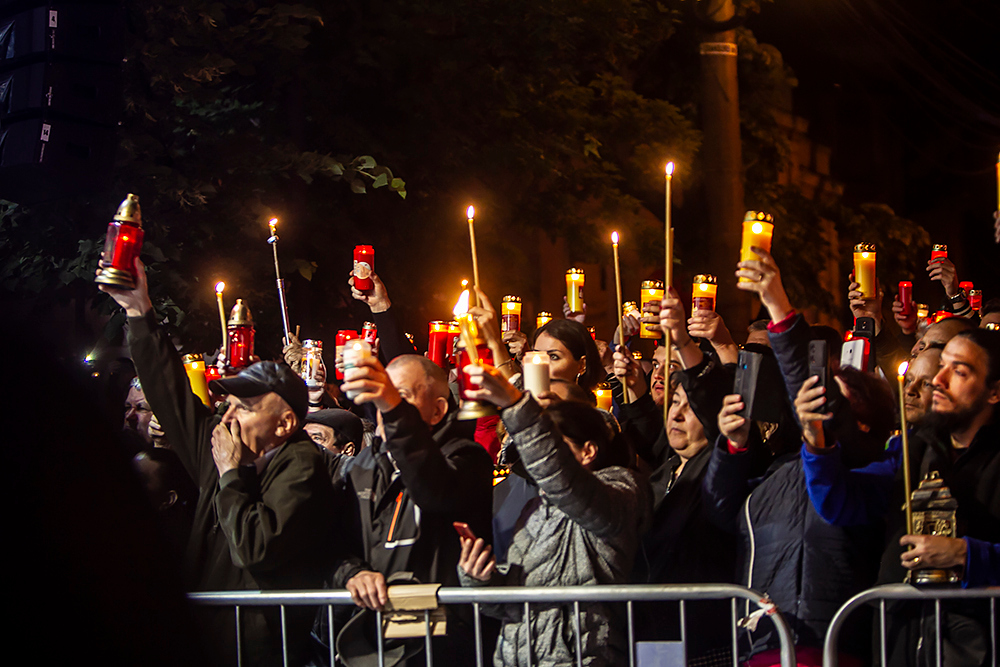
x,y
584,529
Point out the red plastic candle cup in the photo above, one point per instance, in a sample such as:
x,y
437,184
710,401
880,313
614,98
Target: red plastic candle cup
x,y
965,286
240,346
485,356
939,251
976,299
364,267
369,333
437,343
343,336
906,297
454,332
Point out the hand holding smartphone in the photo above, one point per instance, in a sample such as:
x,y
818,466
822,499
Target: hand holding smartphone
x,y
464,531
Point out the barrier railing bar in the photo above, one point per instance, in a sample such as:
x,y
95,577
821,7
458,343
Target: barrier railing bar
x,y
631,635
329,622
895,592
427,638
579,637
993,627
239,639
937,630
881,618
284,639
734,615
479,634
527,627
684,644
378,631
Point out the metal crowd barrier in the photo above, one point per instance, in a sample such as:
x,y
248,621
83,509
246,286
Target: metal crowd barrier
x,y
906,592
575,595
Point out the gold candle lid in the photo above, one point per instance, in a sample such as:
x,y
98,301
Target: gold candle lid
x,y
191,358
629,305
544,313
939,247
129,211
705,278
652,284
312,344
757,216
864,247
240,315
512,299
574,271
975,292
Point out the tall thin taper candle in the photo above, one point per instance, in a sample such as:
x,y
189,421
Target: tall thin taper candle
x,y
621,314
668,279
273,240
906,449
475,258
219,286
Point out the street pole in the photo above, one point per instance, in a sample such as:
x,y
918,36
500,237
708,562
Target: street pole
x,y
723,159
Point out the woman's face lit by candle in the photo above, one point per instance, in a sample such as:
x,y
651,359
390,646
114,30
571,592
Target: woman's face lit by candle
x,y
562,365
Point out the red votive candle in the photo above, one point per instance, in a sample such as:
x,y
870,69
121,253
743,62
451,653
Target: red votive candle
x,y
364,267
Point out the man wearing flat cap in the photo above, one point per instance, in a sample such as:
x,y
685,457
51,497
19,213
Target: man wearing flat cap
x,y
266,505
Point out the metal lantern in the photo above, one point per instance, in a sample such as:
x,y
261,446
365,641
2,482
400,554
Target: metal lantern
x,y
122,246
241,333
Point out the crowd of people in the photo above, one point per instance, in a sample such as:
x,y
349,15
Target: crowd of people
x,y
284,487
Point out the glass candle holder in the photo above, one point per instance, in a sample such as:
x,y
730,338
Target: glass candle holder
x,y
343,336
976,299
354,351
437,343
510,314
703,291
758,228
864,269
574,290
603,394
939,251
122,245
454,333
240,331
542,318
906,297
194,367
652,290
312,360
536,373
472,409
364,267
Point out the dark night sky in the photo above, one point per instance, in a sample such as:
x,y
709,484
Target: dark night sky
x,y
908,95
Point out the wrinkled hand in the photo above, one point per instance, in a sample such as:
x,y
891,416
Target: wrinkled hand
x,y
477,559
516,342
932,551
907,323
807,404
292,353
865,307
943,271
732,425
570,315
228,450
368,590
316,395
136,301
765,280
625,366
377,298
493,388
372,384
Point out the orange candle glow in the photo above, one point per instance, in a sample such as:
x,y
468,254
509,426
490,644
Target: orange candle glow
x,y
864,269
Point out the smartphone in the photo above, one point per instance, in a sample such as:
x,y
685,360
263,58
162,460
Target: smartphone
x,y
864,327
758,382
819,365
463,530
854,354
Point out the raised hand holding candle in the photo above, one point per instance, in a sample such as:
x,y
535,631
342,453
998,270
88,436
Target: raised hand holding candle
x,y
939,251
536,373
574,290
864,269
618,292
652,291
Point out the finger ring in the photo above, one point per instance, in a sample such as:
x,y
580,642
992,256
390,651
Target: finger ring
x,y
916,560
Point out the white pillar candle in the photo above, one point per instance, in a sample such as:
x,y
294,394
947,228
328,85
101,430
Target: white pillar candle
x,y
355,351
536,373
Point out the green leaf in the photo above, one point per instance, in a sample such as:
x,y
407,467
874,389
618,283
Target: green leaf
x,y
381,181
358,187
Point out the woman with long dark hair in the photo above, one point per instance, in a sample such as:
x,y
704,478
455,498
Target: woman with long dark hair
x,y
573,354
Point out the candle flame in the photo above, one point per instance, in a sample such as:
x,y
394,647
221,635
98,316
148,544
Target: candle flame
x,y
462,307
471,212
219,286
614,237
465,283
357,346
670,168
537,358
757,228
510,306
902,368
864,255
703,287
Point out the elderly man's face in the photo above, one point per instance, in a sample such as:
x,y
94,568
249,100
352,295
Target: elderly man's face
x,y
137,413
413,386
260,420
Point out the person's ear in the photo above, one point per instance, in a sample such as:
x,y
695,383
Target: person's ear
x,y
288,423
440,410
588,453
993,393
348,449
170,501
